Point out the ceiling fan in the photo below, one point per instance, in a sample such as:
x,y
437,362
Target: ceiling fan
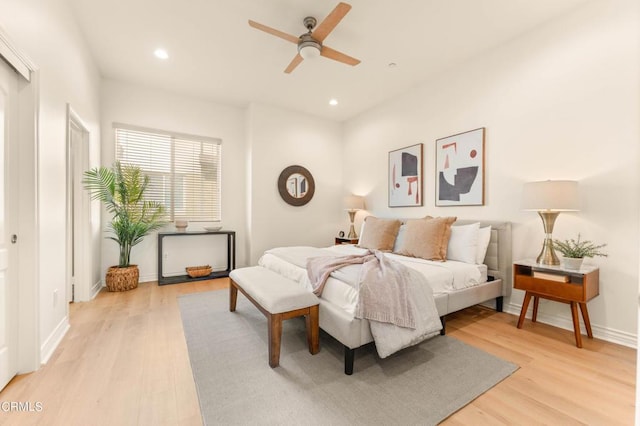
x,y
310,43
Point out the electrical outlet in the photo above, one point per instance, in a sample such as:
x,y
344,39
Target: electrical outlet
x,y
166,255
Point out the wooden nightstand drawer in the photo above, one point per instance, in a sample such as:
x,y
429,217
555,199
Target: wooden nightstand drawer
x,y
573,291
582,286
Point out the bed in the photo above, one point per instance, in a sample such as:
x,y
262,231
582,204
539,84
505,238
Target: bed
x,y
487,282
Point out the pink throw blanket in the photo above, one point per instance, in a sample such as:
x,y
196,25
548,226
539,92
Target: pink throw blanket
x,y
384,286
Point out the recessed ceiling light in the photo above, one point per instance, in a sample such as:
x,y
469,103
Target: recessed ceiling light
x,y
161,54
333,102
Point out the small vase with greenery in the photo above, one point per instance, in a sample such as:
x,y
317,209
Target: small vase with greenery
x,y
575,250
121,189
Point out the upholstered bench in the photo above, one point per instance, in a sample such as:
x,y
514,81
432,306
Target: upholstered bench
x,y
278,298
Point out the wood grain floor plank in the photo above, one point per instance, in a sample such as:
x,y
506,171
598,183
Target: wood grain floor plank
x,y
125,361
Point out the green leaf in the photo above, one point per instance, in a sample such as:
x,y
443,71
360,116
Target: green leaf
x,y
121,189
578,249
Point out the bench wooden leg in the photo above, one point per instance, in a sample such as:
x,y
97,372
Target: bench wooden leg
x,y
313,329
275,337
233,296
275,323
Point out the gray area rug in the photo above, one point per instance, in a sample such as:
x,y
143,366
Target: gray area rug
x,y
423,384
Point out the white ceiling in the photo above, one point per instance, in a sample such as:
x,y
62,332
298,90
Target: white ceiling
x,y
215,55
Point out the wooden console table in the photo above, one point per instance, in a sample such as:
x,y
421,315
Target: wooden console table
x,y
574,287
231,256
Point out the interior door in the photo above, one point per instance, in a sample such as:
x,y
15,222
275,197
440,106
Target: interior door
x,y
8,223
75,207
78,210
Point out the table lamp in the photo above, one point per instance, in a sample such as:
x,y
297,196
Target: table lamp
x,y
352,204
549,198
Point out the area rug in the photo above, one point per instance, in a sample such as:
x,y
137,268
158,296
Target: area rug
x,y
423,384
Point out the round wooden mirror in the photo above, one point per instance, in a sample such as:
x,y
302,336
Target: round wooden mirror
x,y
296,185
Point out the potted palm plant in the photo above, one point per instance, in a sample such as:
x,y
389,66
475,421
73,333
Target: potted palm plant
x,y
121,189
574,251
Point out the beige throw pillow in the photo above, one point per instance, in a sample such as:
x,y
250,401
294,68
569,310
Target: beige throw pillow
x,y
427,238
379,234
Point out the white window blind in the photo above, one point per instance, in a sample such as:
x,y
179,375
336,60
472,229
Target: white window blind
x,y
184,170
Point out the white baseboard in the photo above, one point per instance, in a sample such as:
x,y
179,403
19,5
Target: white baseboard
x,y
95,289
147,278
610,335
54,339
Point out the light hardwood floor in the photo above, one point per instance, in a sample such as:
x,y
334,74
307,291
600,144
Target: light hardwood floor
x,y
124,362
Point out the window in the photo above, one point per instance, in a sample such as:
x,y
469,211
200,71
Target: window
x,y
184,170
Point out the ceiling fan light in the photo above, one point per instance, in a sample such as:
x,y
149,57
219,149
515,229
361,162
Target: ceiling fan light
x,y
309,49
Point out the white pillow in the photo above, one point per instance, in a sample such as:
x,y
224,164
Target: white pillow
x,y
400,238
361,230
463,243
484,235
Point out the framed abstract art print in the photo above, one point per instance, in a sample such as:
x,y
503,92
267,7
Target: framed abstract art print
x,y
405,177
460,169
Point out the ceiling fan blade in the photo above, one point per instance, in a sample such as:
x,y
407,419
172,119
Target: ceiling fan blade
x,y
330,53
294,63
273,31
322,31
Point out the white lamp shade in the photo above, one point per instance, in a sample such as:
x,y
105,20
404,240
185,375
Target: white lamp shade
x,y
552,195
309,51
354,202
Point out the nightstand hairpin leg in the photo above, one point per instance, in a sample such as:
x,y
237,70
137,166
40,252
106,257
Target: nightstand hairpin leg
x,y
576,323
585,317
525,306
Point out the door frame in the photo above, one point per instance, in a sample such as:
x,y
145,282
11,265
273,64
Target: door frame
x,y
77,162
28,231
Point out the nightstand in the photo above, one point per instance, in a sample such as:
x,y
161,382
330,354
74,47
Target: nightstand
x,y
574,287
342,240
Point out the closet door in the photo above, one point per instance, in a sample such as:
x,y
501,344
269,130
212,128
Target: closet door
x,y
8,223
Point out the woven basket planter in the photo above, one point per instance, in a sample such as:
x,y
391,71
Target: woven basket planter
x,y
122,279
198,271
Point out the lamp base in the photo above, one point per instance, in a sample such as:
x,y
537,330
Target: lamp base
x,y
548,255
352,230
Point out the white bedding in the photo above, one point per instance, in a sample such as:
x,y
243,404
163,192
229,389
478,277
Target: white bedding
x,y
443,277
389,291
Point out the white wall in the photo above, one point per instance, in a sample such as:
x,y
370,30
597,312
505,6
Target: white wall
x,y
48,34
279,138
132,104
257,144
558,103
